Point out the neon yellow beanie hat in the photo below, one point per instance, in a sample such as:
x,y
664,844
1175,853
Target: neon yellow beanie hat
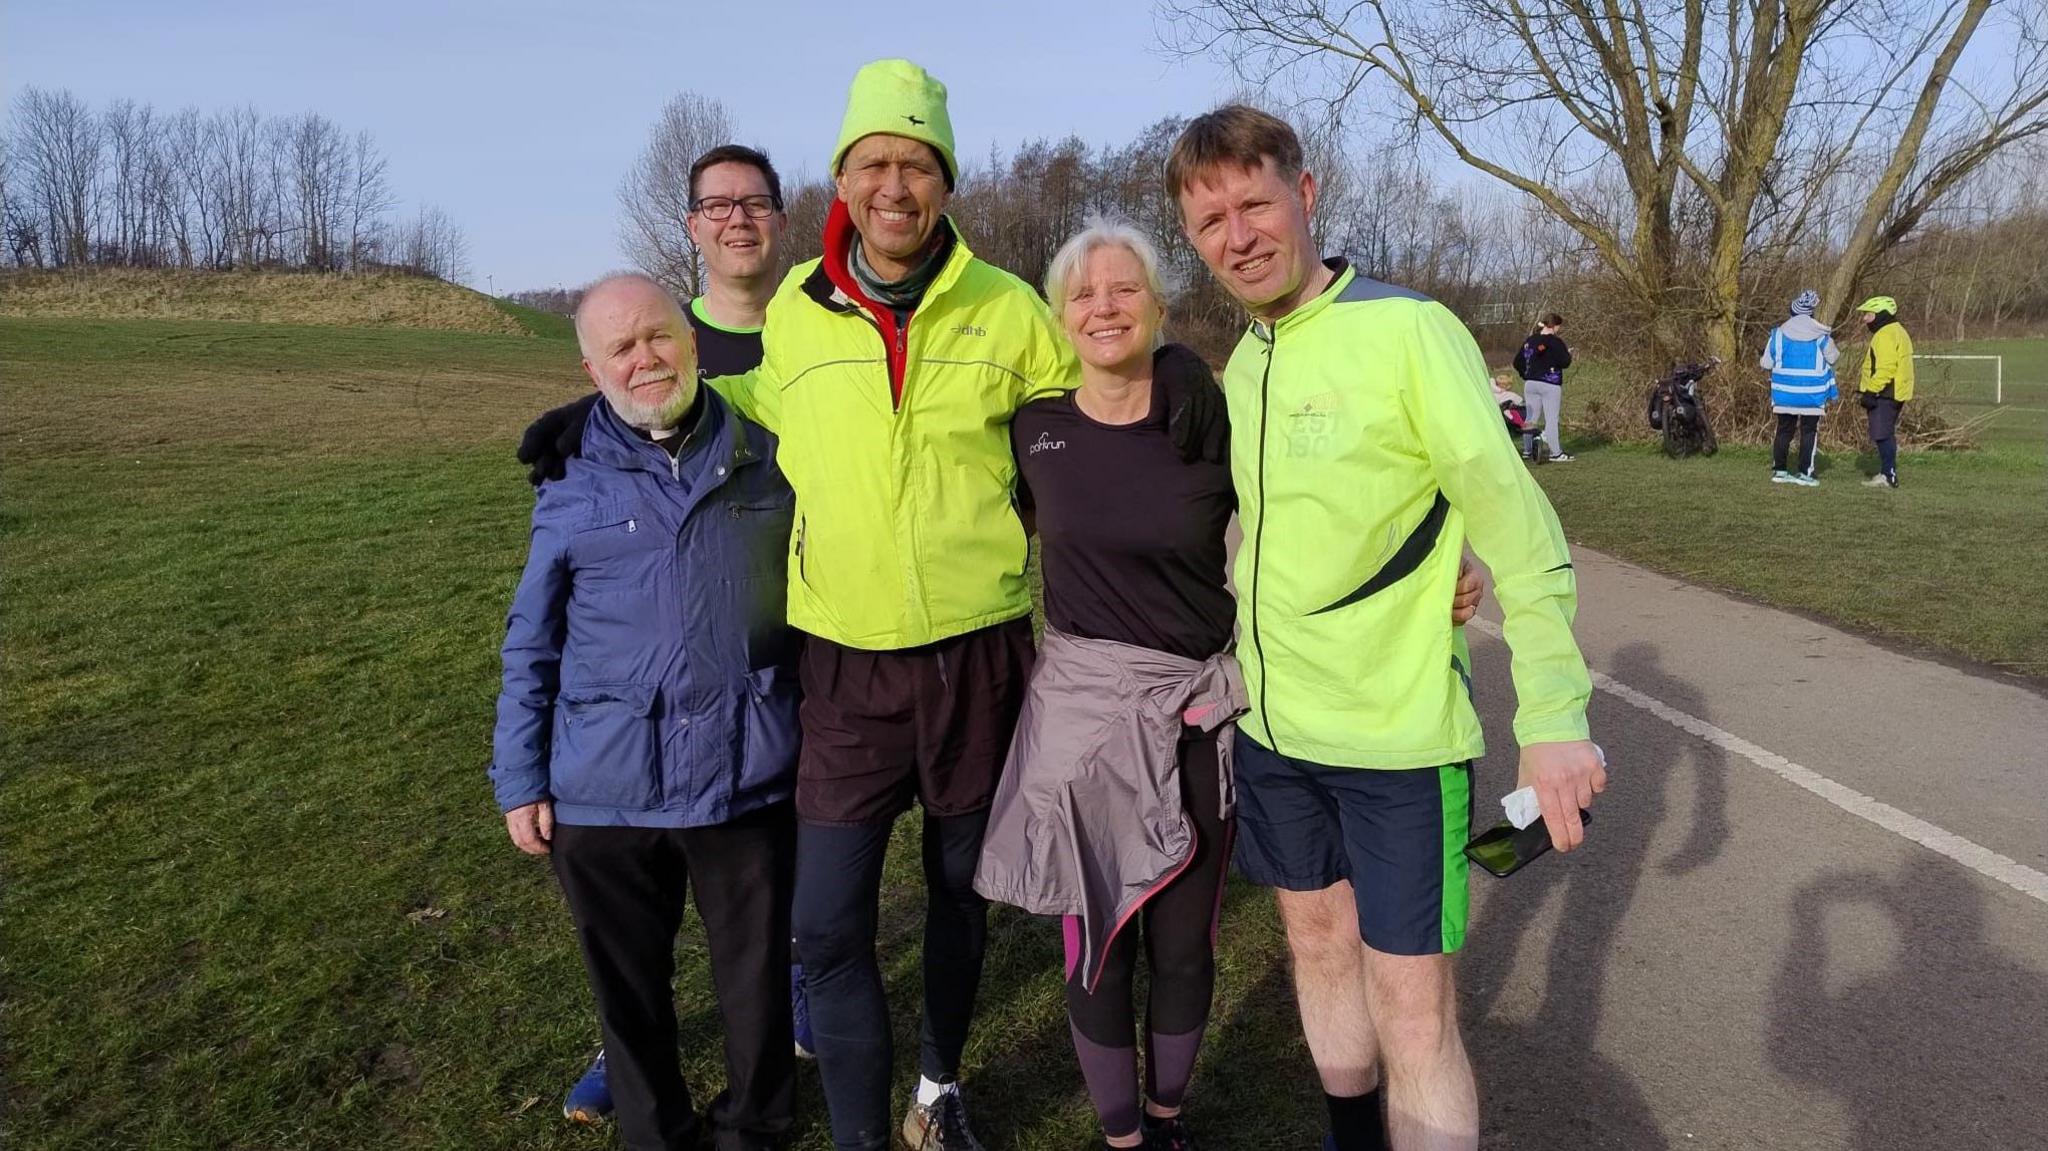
x,y
897,98
1879,304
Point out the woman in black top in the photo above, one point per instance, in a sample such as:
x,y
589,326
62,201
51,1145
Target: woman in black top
x,y
1132,551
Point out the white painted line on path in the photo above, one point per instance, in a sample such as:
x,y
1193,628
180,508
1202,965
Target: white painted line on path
x,y
1977,858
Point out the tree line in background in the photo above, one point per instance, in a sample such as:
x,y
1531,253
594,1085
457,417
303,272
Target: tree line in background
x,y
130,185
1694,160
1974,263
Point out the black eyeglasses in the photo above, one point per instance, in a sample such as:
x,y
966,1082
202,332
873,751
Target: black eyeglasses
x,y
720,207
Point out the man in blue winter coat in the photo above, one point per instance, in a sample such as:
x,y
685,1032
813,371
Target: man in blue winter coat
x,y
1800,356
647,729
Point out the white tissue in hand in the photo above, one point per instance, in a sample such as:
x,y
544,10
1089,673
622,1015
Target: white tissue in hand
x,y
1522,807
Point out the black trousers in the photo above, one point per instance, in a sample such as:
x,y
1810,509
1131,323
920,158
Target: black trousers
x,y
837,909
625,888
1808,428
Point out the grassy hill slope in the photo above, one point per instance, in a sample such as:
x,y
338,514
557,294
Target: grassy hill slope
x,y
269,297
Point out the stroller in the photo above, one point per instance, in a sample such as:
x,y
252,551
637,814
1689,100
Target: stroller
x,y
1515,414
1677,410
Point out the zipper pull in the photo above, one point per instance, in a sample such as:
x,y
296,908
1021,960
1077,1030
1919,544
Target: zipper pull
x,y
632,526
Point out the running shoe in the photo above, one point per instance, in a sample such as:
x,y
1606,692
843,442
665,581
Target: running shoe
x,y
800,1012
939,1127
590,1101
1168,1134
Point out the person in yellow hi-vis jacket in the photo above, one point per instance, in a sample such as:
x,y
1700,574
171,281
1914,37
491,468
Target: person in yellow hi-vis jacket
x,y
1365,449
1887,384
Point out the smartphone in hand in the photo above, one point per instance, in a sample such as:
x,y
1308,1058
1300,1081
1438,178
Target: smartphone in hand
x,y
1503,849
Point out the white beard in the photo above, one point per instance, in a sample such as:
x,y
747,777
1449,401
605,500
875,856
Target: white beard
x,y
650,416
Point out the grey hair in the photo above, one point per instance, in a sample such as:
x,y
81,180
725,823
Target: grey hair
x,y
608,280
1103,232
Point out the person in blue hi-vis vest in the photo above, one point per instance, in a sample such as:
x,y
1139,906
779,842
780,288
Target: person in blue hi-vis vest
x,y
1800,356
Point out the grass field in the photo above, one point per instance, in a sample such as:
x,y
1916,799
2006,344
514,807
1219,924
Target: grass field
x,y
258,896
2022,420
1944,563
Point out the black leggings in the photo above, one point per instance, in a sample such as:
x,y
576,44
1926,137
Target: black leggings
x,y
1808,428
838,890
1179,943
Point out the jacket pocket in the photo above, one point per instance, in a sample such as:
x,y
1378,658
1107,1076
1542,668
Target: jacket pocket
x,y
768,724
763,526
618,548
607,747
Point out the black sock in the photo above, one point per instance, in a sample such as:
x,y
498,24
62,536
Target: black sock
x,y
1355,1121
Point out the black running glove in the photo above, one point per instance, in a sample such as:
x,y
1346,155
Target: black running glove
x,y
1196,416
554,439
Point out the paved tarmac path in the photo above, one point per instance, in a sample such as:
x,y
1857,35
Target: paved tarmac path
x,y
1812,911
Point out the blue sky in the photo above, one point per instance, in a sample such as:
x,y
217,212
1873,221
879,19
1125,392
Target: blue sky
x,y
520,116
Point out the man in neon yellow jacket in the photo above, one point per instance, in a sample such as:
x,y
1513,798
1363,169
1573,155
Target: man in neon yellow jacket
x,y
1887,384
1366,449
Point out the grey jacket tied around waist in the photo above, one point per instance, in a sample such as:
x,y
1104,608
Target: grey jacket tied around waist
x,y
1087,820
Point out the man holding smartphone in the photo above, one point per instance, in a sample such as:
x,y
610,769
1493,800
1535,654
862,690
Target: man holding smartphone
x,y
1361,420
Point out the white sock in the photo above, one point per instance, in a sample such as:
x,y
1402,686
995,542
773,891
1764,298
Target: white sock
x,y
928,1092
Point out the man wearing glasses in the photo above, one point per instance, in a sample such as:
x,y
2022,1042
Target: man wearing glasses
x,y
736,221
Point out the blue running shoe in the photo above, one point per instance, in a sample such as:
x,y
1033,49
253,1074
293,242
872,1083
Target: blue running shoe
x,y
800,1012
590,1101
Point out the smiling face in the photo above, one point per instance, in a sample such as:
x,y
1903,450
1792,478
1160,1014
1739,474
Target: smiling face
x,y
738,247
1110,313
1250,225
895,190
638,350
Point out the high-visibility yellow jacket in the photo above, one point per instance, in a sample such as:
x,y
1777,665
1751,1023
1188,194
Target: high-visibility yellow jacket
x,y
1889,362
896,439
1365,447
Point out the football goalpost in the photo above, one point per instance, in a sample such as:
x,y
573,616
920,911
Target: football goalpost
x,y
1950,377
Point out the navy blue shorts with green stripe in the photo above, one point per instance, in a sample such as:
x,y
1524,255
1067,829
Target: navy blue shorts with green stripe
x,y
1398,837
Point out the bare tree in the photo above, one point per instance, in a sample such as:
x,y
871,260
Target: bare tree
x,y
232,189
320,183
655,194
128,133
237,185
22,239
432,244
1684,107
807,203
1931,159
58,146
369,198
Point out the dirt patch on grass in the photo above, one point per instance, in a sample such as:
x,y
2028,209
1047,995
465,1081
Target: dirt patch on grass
x,y
327,300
